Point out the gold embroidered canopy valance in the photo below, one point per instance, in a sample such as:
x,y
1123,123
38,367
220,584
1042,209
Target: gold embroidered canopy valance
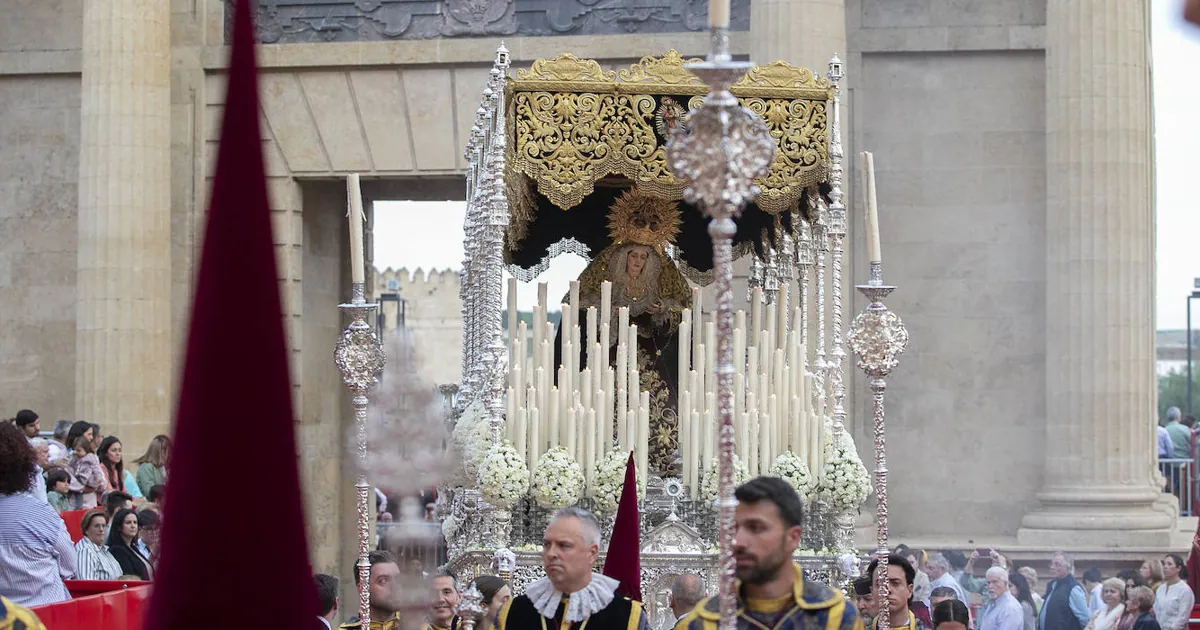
x,y
574,123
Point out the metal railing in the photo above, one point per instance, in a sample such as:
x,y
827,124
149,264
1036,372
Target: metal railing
x,y
1180,474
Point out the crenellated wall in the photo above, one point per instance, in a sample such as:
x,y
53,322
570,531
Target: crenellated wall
x,y
432,312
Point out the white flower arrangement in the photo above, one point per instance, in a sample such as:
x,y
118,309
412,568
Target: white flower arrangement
x,y
790,468
449,527
845,482
609,481
557,480
472,437
709,488
503,476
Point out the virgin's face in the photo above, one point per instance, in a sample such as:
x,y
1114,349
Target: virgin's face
x,y
636,261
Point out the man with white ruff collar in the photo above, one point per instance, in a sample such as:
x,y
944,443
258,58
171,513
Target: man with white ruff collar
x,y
572,596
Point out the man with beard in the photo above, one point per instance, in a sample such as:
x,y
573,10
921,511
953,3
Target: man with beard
x,y
900,576
771,589
385,593
443,614
571,595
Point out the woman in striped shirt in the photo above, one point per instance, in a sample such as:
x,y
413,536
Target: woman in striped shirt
x,y
93,560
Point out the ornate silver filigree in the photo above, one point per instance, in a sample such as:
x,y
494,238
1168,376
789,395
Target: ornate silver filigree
x,y
877,337
721,151
360,357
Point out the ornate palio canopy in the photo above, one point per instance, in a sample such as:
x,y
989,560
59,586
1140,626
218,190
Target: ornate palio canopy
x,y
581,134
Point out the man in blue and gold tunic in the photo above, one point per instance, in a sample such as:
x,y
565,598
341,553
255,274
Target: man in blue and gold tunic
x,y
772,592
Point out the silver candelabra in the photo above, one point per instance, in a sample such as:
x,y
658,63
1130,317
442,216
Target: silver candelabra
x,y
877,337
360,358
721,151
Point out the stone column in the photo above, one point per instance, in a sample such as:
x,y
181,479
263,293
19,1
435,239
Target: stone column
x,y
123,305
1100,399
802,32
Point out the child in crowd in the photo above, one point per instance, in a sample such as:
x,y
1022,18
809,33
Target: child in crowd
x,y
57,486
89,475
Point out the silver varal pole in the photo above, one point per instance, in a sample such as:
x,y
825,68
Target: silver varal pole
x,y
877,337
360,358
724,147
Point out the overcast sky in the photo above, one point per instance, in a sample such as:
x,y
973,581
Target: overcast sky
x,y
429,235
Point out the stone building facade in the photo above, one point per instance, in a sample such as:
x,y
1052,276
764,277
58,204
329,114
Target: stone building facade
x,y
426,305
1013,148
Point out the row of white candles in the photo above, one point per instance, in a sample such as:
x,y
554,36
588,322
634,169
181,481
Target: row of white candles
x,y
580,413
774,408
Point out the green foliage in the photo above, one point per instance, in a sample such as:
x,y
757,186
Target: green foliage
x,y
1172,392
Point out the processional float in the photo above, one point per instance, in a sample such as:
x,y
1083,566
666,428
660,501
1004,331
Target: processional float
x,y
642,172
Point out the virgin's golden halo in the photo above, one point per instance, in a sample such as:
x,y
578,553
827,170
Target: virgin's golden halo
x,y
638,218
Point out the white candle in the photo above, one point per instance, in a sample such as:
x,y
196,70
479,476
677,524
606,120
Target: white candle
x,y
535,436
520,443
710,345
755,314
684,435
592,323
588,442
874,253
685,346
755,463
761,454
743,439
542,302
604,342
357,266
644,428
606,303
510,413
623,325
609,426
770,342
739,398
718,13
697,439
512,309
554,426
781,318
569,442
622,411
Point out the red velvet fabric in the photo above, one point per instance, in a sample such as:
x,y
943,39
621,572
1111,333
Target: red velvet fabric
x,y
109,609
623,562
244,562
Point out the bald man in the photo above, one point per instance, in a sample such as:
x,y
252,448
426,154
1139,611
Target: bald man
x,y
686,591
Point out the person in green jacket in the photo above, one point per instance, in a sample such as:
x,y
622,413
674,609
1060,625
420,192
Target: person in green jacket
x,y
152,466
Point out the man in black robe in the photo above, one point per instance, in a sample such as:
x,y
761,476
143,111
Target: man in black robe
x,y
572,595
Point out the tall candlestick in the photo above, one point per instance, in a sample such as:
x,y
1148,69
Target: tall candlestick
x,y
874,252
357,266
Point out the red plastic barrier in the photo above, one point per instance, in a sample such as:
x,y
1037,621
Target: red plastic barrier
x,y
74,521
113,607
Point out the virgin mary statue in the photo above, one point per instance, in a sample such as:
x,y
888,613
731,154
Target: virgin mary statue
x,y
647,282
